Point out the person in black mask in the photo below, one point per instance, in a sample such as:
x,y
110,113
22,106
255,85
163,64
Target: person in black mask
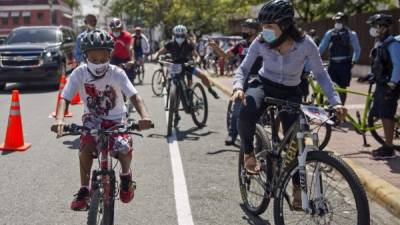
x,y
385,68
344,51
250,30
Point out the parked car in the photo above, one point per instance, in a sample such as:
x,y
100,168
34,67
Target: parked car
x,y
2,39
37,54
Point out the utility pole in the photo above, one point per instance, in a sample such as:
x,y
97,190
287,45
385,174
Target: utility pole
x,y
51,11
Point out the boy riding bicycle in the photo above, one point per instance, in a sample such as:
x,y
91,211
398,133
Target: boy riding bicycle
x,y
101,86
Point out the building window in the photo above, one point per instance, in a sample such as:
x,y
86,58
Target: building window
x,y
55,22
4,18
39,17
27,17
15,17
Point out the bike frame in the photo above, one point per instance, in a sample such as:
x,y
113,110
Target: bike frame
x,y
299,131
105,169
360,122
181,87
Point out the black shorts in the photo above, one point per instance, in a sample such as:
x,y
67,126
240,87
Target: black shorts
x,y
340,72
385,101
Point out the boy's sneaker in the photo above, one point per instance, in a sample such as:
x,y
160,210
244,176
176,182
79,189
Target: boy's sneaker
x,y
81,201
127,188
213,93
383,152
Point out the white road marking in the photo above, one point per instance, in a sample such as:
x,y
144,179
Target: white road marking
x,y
183,210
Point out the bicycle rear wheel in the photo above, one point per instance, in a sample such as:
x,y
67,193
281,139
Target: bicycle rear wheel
x,y
172,107
254,189
378,132
199,105
158,82
342,201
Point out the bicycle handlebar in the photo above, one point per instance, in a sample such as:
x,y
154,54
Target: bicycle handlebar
x,y
75,129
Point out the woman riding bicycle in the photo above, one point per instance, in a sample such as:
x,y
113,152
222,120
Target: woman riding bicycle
x,y
284,50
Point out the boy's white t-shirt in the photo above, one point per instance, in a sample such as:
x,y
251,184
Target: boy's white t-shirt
x,y
101,97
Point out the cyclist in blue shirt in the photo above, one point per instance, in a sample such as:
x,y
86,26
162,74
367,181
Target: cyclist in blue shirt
x,y
386,70
341,42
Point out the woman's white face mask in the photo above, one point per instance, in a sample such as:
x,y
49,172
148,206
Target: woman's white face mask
x,y
338,26
98,70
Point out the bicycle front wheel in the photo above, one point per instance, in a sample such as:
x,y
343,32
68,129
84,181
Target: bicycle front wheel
x,y
335,193
378,132
254,189
199,105
158,82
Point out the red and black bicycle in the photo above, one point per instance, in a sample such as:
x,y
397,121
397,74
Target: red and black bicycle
x,y
103,182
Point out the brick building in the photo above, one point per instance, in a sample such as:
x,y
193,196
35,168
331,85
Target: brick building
x,y
15,13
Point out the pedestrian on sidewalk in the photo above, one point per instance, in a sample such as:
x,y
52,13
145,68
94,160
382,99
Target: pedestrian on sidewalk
x,y
250,30
284,50
344,52
386,70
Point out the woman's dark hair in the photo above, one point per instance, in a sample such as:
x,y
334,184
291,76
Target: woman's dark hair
x,y
295,33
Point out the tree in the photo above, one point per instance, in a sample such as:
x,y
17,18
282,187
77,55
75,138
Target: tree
x,y
311,10
74,4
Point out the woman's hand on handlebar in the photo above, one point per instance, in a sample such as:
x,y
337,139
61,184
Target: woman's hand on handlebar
x,y
239,94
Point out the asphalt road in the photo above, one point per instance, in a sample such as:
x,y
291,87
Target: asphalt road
x,y
37,185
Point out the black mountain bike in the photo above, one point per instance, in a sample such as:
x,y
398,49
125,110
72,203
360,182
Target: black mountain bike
x,y
194,100
103,180
331,192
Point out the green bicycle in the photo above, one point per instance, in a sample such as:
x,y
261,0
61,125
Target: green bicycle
x,y
364,121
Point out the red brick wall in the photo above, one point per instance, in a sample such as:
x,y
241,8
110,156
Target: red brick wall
x,y
61,20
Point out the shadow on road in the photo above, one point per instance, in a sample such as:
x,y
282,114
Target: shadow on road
x,y
184,135
359,154
394,164
72,144
253,220
7,152
223,151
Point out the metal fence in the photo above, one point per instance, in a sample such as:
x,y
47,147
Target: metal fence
x,y
358,24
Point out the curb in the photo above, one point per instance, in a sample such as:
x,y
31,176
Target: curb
x,y
387,195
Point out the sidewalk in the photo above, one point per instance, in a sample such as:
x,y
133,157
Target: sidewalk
x,y
381,179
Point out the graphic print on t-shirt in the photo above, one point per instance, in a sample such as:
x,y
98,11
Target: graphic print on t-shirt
x,y
100,102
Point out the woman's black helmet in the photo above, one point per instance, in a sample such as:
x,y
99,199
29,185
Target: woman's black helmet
x,y
380,19
252,24
96,39
280,12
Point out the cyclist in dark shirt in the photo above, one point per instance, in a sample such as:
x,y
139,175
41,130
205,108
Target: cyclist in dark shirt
x,y
250,29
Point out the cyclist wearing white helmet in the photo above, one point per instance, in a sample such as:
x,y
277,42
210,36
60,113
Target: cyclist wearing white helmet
x,y
182,50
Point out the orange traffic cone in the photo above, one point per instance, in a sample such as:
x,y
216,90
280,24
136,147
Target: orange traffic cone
x,y
62,84
14,137
76,100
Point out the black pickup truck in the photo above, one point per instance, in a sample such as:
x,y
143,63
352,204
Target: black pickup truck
x,y
37,54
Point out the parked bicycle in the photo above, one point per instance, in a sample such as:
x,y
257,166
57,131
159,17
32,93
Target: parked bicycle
x,y
331,192
194,100
103,182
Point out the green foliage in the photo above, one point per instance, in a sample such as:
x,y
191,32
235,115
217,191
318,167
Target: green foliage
x,y
311,10
205,16
201,16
